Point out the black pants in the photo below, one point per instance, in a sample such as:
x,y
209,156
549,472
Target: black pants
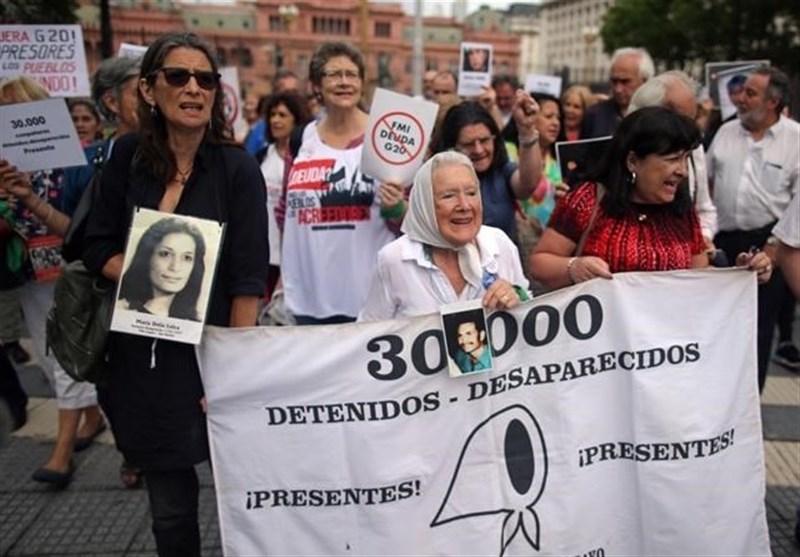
x,y
174,506
12,392
771,296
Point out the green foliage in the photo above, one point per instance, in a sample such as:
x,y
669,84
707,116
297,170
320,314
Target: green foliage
x,y
679,31
38,11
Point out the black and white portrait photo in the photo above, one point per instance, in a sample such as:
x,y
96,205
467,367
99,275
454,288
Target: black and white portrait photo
x,y
169,266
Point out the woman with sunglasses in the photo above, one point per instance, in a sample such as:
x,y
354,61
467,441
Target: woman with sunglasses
x,y
337,217
182,161
470,129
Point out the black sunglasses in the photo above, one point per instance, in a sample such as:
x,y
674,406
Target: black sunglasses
x,y
178,77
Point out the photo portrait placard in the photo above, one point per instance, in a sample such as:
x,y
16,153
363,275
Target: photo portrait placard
x,y
167,276
475,68
466,338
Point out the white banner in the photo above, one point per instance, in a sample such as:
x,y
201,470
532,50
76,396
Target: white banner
x,y
621,418
39,135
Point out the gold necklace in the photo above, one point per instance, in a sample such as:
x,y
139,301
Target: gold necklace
x,y
184,176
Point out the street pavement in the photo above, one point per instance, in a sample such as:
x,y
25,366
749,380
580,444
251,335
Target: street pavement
x,y
97,516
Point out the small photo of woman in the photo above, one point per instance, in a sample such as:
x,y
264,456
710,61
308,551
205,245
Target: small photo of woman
x,y
476,60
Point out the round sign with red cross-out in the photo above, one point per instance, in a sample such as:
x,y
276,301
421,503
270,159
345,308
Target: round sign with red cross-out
x,y
231,103
398,138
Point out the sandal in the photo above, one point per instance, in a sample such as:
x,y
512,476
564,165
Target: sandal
x,y
131,477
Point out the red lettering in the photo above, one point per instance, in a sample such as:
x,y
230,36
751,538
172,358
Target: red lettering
x,y
14,36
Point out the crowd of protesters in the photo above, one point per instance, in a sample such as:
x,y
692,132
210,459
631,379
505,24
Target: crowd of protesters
x,y
671,184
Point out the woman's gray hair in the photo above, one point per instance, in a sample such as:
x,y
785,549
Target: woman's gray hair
x,y
111,76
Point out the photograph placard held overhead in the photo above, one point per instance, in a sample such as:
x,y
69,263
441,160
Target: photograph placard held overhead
x,y
398,132
39,135
475,68
51,54
719,73
538,83
128,50
169,267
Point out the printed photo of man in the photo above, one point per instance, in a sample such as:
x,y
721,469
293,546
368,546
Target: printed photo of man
x,y
467,341
473,354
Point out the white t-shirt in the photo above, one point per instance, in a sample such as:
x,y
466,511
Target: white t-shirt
x,y
407,283
272,168
333,230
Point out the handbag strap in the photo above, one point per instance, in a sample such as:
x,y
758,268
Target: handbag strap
x,y
601,191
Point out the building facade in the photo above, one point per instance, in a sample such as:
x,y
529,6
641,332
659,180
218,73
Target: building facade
x,y
524,22
262,36
570,44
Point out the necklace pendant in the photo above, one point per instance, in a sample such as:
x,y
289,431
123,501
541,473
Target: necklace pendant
x,y
642,217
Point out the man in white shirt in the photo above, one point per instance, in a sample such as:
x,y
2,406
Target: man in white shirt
x,y
753,168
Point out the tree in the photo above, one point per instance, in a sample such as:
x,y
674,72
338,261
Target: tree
x,y
38,11
678,32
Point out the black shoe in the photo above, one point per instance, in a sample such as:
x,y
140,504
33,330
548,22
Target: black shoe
x,y
16,352
787,355
57,479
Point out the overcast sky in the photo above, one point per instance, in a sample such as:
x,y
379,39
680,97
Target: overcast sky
x,y
443,7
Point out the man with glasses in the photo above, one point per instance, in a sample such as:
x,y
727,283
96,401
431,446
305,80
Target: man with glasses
x,y
630,68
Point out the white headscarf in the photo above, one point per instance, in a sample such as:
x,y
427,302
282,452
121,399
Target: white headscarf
x,y
420,221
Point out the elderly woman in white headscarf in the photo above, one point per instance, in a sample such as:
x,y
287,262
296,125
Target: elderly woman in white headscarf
x,y
446,254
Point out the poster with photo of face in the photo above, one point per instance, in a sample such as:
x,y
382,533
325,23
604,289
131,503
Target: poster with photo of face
x,y
167,276
466,338
475,68
718,76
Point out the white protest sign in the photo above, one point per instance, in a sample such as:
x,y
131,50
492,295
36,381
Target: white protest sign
x,y
169,267
538,83
398,133
39,135
128,50
475,68
51,54
233,100
616,420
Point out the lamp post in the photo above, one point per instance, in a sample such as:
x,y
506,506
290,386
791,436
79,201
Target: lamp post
x,y
287,13
590,34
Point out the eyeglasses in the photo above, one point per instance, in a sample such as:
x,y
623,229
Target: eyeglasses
x,y
471,145
340,75
178,77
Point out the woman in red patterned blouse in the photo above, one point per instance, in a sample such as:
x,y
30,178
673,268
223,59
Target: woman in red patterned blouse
x,y
644,219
